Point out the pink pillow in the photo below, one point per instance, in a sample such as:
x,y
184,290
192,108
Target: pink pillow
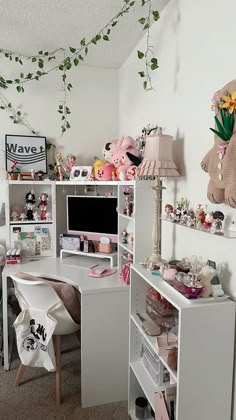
x,y
67,293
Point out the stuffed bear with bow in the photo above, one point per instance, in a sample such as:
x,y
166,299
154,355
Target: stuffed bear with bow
x,y
219,162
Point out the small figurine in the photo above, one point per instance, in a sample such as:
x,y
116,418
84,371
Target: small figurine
x,y
23,217
36,216
125,236
48,216
30,204
14,216
43,205
169,211
217,287
128,205
218,218
199,216
190,218
208,220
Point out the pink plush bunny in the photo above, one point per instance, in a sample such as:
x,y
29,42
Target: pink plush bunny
x,y
119,159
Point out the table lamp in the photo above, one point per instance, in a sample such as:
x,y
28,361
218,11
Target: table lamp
x,y
157,163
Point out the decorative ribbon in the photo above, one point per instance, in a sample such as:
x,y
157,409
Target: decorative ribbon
x,y
222,148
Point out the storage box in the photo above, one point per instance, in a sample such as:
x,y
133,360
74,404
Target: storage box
x,y
154,366
105,248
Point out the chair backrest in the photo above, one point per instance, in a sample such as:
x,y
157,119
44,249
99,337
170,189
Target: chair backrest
x,y
40,295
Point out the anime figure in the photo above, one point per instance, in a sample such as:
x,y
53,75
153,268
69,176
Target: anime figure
x,y
30,204
43,205
218,218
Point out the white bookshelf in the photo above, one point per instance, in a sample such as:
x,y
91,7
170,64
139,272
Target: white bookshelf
x,y
205,352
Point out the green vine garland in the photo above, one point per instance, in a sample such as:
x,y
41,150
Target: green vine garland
x,y
72,58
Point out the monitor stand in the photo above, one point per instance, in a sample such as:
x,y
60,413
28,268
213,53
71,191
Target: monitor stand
x,y
111,257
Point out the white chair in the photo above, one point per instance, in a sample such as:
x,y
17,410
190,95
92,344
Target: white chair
x,y
40,295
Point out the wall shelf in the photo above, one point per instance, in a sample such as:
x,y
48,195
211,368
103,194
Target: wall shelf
x,y
229,234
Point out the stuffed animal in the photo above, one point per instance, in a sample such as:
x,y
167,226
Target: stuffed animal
x,y
219,162
120,159
105,172
97,164
108,150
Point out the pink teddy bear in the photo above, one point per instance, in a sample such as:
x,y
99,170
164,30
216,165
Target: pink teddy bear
x,y
120,159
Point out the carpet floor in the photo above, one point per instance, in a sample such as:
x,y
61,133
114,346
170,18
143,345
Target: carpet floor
x,y
35,398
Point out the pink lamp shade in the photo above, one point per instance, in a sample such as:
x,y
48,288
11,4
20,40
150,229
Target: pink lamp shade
x,y
158,158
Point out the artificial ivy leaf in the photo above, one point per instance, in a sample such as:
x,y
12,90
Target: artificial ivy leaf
x,y
82,42
114,23
141,73
34,59
46,53
20,61
98,37
22,75
39,73
40,52
18,113
86,50
81,57
67,125
142,20
94,41
16,59
6,55
36,77
2,107
9,82
132,3
76,61
146,26
140,54
63,129
60,106
18,88
9,105
154,60
106,38
155,14
73,50
145,85
17,80
61,67
108,31
40,64
154,66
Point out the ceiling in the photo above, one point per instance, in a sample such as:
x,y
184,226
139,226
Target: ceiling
x,y
27,26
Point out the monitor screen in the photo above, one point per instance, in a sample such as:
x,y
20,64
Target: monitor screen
x,y
92,214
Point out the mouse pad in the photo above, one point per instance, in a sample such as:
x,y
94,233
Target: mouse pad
x,y
106,272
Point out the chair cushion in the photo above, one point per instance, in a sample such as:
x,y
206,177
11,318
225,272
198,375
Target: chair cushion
x,y
67,293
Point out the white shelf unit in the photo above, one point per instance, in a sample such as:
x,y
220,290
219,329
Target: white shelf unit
x,y
15,196
205,352
139,224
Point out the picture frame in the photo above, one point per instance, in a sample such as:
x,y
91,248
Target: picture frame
x,y
81,173
27,152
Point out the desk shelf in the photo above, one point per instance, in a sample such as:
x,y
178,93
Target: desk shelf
x,y
112,257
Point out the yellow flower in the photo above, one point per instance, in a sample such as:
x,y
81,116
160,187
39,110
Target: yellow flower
x,y
229,102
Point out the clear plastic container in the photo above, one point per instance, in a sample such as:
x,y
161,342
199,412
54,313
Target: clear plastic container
x,y
154,366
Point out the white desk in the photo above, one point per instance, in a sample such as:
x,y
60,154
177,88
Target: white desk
x,y
104,327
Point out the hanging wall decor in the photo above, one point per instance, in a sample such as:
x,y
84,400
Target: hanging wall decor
x,y
27,153
219,162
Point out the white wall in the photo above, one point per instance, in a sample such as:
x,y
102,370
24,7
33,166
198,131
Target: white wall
x,y
94,114
195,43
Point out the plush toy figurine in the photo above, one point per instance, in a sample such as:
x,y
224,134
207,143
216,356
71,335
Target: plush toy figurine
x,y
96,166
120,159
131,172
105,172
108,150
219,162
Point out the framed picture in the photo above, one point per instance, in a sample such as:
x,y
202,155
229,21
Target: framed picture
x,y
27,152
81,173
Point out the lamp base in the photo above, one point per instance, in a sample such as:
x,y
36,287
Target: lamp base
x,y
153,262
